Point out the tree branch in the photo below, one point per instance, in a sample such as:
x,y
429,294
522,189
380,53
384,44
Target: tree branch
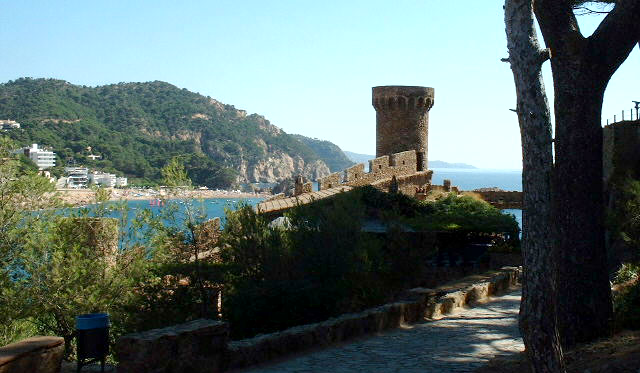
x,y
544,55
556,17
615,37
583,10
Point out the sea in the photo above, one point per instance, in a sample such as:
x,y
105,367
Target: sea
x,y
465,179
475,178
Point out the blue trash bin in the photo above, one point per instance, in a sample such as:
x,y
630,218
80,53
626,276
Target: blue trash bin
x,y
92,332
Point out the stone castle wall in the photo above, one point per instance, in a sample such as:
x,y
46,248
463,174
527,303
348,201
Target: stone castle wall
x,y
620,153
407,184
402,165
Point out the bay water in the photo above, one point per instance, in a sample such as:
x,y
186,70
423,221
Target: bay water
x,y
465,179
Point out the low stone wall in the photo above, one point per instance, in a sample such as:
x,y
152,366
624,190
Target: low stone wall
x,y
415,305
502,199
197,346
203,345
35,354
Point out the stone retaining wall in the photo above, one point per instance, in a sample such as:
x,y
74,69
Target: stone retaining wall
x,y
196,346
35,354
415,305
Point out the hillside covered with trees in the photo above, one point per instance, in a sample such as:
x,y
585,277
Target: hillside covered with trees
x,y
136,128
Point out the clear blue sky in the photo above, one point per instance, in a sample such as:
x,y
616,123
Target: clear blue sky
x,y
306,66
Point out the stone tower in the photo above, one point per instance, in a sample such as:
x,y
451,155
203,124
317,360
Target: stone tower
x,y
402,120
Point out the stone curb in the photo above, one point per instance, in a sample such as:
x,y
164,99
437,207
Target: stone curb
x,y
415,305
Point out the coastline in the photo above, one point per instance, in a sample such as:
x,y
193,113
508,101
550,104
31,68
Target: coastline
x,y
80,197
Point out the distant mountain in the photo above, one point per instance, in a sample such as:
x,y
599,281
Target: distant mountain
x,y
137,127
364,158
329,152
359,158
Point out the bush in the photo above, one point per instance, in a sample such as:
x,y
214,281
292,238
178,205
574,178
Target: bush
x,y
278,278
321,263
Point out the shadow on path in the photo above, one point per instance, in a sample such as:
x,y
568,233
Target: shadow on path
x,y
460,342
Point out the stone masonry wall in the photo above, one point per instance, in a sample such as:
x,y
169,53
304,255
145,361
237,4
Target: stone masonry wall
x,y
330,181
203,345
35,354
407,184
404,162
378,166
416,305
354,172
402,165
620,155
196,346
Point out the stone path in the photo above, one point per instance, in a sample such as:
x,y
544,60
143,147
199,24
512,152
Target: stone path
x,y
460,342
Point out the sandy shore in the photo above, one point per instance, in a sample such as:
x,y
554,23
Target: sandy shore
x,y
79,197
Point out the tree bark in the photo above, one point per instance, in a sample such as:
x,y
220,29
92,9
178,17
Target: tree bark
x,y
581,70
537,308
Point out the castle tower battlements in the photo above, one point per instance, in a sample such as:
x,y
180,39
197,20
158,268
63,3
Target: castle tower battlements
x,y
402,120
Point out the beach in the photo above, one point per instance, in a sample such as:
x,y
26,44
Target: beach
x,y
81,197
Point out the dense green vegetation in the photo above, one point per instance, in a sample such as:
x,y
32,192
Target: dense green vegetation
x,y
322,262
624,222
138,127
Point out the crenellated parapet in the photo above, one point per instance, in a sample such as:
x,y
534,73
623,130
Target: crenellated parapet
x,y
403,98
405,161
379,165
381,171
354,173
331,181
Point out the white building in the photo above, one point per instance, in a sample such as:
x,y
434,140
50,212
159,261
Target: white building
x,y
8,124
77,177
121,182
42,158
102,179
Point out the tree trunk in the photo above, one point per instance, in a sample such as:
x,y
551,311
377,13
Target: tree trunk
x,y
584,298
581,70
537,309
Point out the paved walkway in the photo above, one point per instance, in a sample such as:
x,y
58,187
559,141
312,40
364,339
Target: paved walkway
x,y
460,342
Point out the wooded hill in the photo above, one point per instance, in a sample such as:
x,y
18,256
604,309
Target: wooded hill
x,y
137,127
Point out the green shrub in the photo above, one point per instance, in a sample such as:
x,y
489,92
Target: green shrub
x,y
322,263
627,272
278,278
